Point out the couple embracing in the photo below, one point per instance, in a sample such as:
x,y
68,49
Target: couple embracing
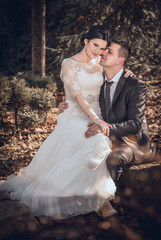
x,y
101,128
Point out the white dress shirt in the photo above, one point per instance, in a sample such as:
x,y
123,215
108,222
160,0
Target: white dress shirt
x,y
115,80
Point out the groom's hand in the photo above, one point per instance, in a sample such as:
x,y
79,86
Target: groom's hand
x,y
93,129
62,106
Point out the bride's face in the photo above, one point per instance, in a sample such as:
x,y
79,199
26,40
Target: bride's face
x,y
94,47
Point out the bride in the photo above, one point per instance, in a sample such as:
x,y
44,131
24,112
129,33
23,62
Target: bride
x,y
68,175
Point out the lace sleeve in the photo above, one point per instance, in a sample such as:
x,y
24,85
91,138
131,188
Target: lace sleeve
x,y
68,76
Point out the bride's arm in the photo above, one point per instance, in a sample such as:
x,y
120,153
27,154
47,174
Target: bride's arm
x,y
84,105
68,76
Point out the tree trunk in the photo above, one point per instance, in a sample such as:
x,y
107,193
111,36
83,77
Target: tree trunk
x,y
38,37
16,118
2,122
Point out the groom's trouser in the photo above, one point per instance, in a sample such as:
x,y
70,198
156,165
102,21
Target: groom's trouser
x,y
118,158
123,154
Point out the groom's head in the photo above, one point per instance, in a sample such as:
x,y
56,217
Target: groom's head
x,y
116,54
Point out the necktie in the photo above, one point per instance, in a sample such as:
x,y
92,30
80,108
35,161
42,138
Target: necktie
x,y
107,98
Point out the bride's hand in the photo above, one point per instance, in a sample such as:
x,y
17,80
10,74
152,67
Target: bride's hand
x,y
62,106
104,127
129,73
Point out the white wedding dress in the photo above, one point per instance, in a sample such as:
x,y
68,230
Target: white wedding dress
x,y
68,175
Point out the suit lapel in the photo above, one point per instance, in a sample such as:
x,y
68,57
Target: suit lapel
x,y
102,101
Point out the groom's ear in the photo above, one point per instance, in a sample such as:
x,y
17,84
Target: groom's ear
x,y
121,61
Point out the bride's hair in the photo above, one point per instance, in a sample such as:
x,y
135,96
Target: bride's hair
x,y
97,31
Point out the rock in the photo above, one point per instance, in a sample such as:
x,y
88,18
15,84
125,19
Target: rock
x,y
15,218
139,188
46,221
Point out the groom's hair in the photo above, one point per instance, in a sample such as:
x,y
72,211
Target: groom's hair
x,y
124,50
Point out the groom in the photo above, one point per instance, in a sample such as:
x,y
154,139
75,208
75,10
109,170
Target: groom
x,y
124,111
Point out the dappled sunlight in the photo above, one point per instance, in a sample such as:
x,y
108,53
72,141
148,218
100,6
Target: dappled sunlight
x,y
128,191
143,177
72,234
150,210
104,225
32,226
132,235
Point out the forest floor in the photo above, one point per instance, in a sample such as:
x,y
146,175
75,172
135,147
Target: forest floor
x,y
17,150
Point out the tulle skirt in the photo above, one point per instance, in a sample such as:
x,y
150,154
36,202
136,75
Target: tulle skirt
x,y
68,174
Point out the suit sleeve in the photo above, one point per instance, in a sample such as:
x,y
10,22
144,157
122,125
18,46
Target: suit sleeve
x,y
135,115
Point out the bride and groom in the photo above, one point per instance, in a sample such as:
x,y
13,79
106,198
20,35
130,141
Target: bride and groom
x,y
68,175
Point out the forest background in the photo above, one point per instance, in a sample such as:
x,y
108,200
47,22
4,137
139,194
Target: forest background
x,y
28,102
35,36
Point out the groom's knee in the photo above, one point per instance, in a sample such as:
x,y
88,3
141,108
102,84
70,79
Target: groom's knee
x,y
117,159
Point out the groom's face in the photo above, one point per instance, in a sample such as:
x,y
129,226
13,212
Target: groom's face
x,y
110,56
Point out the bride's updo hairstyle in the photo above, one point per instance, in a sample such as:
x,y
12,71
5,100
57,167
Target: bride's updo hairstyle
x,y
97,31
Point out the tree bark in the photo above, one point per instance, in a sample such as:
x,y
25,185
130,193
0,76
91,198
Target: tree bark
x,y
38,37
16,118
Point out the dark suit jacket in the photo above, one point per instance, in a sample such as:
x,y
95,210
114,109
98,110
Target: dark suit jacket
x,y
127,113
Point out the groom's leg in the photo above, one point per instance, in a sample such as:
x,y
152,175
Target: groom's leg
x,y
117,159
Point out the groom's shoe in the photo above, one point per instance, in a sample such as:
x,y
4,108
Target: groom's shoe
x,y
105,212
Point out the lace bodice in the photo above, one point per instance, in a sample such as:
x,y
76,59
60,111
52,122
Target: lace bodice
x,y
82,78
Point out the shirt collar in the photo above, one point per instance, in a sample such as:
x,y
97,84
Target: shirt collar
x,y
116,77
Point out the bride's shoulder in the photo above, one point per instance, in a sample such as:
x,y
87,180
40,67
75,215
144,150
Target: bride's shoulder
x,y
67,62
